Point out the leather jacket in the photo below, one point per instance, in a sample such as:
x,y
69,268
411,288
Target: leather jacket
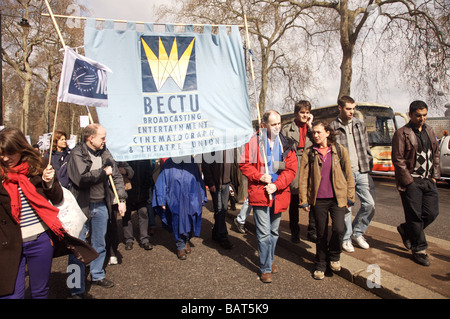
x,y
404,150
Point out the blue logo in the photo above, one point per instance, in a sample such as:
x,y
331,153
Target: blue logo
x,y
168,58
88,81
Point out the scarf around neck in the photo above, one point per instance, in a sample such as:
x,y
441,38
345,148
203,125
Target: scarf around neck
x,y
45,210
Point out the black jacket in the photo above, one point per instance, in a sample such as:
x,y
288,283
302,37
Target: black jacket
x,y
82,178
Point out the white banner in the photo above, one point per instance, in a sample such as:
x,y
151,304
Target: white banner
x,y
83,81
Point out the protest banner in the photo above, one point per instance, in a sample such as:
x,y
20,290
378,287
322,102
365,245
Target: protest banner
x,y
171,93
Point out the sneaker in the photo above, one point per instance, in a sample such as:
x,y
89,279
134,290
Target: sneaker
x,y
128,246
319,275
361,241
239,226
113,260
335,265
348,246
105,283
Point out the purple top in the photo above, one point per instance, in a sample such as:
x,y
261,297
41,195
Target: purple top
x,y
326,187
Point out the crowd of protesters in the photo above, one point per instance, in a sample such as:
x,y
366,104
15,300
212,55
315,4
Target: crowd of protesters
x,y
307,164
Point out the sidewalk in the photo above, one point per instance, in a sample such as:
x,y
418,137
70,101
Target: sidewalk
x,y
399,276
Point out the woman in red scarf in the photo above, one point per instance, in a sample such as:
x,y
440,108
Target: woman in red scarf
x,y
27,219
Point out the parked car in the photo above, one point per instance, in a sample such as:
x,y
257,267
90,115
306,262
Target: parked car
x,y
444,148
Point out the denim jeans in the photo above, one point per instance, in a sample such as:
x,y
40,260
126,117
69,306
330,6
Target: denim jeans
x,y
246,209
365,190
181,242
267,224
96,227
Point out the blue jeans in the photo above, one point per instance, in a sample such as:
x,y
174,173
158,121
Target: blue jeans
x,y
96,227
365,189
246,209
181,242
267,224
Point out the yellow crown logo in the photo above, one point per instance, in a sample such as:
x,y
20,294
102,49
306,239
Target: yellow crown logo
x,y
165,66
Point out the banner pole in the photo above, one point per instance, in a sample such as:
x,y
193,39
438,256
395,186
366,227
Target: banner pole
x,y
111,181
137,22
55,24
57,102
256,99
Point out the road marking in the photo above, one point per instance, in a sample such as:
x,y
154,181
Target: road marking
x,y
386,184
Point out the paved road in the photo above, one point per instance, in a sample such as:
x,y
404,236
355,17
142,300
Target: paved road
x,y
210,272
213,273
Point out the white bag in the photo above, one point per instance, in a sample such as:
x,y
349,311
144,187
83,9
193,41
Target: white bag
x,y
70,214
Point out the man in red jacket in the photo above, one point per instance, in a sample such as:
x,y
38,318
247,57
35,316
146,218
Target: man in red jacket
x,y
270,164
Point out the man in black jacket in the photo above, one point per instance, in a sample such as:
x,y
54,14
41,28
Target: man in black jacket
x,y
415,155
89,169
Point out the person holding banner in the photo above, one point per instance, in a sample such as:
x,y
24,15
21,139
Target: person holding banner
x,y
270,164
60,156
30,232
89,168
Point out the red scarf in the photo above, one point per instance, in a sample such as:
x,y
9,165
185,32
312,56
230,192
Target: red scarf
x,y
45,210
302,129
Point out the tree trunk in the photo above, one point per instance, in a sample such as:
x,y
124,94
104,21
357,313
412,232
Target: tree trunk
x,y
348,40
26,104
346,70
47,104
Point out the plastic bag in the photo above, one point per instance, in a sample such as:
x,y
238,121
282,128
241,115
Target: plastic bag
x,y
70,214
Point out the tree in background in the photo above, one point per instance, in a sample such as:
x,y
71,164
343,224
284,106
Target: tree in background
x,y
269,22
33,62
417,32
381,35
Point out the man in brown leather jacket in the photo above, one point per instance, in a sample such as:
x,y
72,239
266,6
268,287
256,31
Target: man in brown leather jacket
x,y
415,155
